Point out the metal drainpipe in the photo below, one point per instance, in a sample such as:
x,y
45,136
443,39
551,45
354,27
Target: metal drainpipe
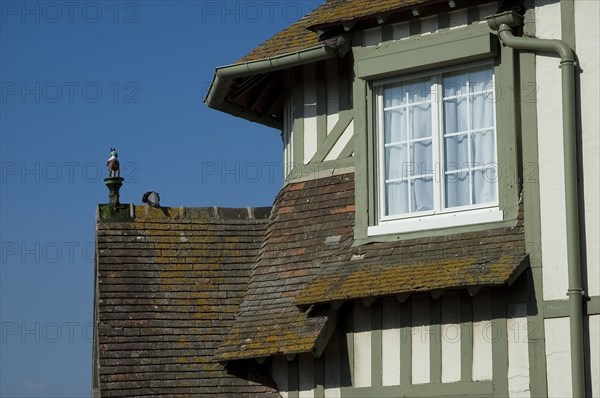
x,y
503,23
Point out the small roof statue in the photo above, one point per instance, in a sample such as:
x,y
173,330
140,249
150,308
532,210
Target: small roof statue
x,y
114,169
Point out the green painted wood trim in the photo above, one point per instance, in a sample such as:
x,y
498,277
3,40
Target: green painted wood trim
x,y
319,378
466,337
507,133
321,95
350,340
470,49
435,341
376,344
298,101
344,69
346,352
329,141
387,33
405,344
415,43
567,22
533,238
499,346
560,308
414,27
319,170
472,15
432,232
443,21
458,389
348,149
293,380
361,172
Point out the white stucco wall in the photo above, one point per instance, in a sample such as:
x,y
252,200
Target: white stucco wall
x,y
551,156
390,343
518,352
587,37
558,357
362,345
450,330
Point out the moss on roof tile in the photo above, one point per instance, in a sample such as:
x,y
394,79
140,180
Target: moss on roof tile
x,y
298,37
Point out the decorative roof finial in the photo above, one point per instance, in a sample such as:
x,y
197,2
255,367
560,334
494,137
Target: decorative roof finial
x,y
114,181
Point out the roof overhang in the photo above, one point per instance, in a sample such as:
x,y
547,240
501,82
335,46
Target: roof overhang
x,y
371,280
253,90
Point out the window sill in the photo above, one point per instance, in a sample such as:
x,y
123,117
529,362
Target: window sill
x,y
437,221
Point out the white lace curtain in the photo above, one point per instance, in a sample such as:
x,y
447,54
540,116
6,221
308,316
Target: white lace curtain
x,y
468,142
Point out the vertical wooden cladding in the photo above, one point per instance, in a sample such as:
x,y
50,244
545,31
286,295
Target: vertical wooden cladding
x,y
416,344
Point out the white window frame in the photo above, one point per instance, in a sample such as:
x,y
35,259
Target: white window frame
x,y
439,217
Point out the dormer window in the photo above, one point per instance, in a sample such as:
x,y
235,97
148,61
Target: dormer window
x,y
436,149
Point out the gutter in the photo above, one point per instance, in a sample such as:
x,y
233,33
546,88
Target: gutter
x,y
225,75
503,23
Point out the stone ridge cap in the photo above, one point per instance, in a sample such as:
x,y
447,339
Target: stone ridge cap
x,y
147,213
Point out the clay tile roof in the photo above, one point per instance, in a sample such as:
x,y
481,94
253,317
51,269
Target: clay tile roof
x,y
298,37
169,282
308,257
367,279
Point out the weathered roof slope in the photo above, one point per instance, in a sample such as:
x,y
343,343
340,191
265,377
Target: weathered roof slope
x,y
308,257
298,37
168,286
311,223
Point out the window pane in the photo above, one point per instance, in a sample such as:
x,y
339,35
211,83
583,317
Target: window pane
x,y
396,194
396,161
422,194
482,148
455,84
394,95
457,189
422,157
481,80
395,125
455,115
482,112
456,150
484,185
405,93
421,120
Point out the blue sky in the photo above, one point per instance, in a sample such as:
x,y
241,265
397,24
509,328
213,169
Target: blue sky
x,y
77,78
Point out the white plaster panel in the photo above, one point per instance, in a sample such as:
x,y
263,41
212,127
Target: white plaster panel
x,y
450,338
420,340
310,112
362,345
587,36
332,367
551,158
333,94
400,31
594,325
341,143
518,353
279,373
558,357
306,379
390,343
482,336
372,37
